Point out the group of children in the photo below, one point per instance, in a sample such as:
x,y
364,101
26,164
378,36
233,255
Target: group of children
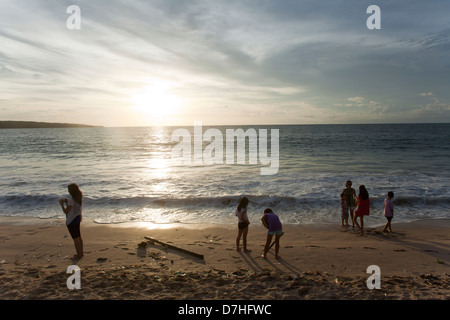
x,y
349,201
270,220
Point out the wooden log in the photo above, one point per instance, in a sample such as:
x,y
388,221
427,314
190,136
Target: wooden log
x,y
200,256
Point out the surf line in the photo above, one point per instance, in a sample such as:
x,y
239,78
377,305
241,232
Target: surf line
x,y
235,140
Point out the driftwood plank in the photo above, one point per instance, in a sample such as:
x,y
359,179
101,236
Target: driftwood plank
x,y
175,247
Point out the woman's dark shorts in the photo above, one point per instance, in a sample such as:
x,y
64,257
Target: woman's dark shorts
x,y
74,228
242,225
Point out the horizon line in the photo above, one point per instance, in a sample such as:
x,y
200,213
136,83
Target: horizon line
x,y
80,125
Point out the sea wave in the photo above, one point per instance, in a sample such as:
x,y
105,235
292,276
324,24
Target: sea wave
x,y
27,204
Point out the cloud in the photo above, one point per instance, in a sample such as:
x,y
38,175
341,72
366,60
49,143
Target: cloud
x,y
357,99
435,105
276,60
431,40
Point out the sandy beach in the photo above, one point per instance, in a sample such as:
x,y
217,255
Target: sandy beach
x,y
316,262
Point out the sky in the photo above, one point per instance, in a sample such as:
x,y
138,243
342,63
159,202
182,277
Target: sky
x,y
227,62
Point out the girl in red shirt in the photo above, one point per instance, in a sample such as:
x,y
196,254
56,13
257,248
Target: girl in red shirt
x,y
363,204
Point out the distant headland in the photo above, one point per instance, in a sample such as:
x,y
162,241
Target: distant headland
x,y
34,124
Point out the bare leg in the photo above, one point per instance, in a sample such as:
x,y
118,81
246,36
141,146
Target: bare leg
x,y
355,221
238,239
362,225
352,217
277,246
387,226
244,239
79,247
266,247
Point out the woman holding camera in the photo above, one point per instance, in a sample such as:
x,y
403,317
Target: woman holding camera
x,y
72,208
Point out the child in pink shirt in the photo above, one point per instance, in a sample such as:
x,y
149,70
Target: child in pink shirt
x,y
388,210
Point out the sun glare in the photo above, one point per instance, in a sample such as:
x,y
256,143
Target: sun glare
x,y
157,103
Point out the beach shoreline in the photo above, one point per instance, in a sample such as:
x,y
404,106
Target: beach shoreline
x,y
318,262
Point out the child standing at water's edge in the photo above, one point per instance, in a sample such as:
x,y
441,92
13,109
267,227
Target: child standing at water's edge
x,y
344,211
350,195
363,207
388,210
241,213
271,221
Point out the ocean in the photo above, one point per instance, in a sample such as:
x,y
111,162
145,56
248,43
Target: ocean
x,y
128,174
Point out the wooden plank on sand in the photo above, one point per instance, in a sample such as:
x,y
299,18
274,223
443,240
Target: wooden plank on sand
x,y
174,247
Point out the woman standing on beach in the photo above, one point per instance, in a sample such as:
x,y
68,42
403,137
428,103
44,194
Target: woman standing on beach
x,y
241,213
350,195
363,207
72,208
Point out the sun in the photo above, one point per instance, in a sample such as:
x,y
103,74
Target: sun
x,y
157,102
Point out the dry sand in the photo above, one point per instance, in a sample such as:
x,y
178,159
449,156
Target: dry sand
x,y
317,262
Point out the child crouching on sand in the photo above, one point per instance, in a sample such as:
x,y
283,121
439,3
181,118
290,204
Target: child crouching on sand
x,y
271,221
